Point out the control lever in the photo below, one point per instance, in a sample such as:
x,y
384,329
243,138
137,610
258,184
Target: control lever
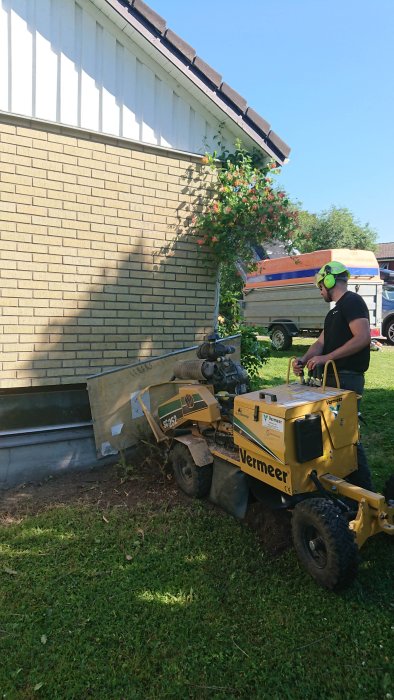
x,y
315,376
301,365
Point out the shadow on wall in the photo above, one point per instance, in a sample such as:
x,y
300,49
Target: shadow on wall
x,y
140,306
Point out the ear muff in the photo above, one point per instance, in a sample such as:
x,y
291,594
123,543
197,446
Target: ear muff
x,y
328,275
328,279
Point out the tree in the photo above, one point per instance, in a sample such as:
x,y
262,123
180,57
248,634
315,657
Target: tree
x,y
335,228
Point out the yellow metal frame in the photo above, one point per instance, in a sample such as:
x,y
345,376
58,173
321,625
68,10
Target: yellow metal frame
x,y
373,515
330,362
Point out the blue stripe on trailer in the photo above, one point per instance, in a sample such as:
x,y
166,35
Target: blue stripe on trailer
x,y
299,274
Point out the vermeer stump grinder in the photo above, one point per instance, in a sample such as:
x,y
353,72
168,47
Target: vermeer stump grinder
x,y
290,446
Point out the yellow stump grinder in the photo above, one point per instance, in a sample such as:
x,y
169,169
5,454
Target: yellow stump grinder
x,y
290,446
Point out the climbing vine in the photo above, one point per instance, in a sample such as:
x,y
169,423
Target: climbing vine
x,y
244,208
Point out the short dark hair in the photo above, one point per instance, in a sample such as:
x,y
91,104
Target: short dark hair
x,y
342,278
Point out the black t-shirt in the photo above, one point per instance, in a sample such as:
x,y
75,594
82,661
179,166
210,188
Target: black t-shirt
x,y
337,332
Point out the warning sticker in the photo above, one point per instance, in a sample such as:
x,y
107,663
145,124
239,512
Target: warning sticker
x,y
273,422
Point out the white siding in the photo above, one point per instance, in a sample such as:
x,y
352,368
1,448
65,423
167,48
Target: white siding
x,y
64,61
90,93
4,67
131,128
69,46
20,71
46,60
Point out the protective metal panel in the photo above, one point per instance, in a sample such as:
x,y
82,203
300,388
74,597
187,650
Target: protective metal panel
x,y
118,422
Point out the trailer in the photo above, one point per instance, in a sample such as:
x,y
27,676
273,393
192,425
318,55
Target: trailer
x,y
281,295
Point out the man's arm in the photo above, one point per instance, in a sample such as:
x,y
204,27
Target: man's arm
x,y
313,350
361,339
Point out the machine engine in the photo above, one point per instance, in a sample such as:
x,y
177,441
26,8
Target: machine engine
x,y
216,367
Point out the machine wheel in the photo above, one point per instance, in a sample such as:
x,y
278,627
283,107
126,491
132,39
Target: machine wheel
x,y
193,480
325,546
389,331
388,491
280,338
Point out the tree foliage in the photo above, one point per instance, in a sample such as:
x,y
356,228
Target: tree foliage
x,y
335,228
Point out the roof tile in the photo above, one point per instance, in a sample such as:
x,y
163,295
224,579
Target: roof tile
x,y
279,144
234,97
210,73
258,121
180,45
150,15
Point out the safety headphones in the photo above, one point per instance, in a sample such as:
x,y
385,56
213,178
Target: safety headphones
x,y
329,280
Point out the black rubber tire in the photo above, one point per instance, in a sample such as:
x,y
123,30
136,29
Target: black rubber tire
x,y
193,480
388,331
325,546
388,491
280,338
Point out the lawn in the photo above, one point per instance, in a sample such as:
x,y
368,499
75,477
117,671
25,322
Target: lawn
x,y
174,599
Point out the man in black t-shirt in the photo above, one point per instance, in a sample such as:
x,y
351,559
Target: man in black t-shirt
x,y
346,339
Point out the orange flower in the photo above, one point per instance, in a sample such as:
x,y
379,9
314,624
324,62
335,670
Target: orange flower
x,y
214,239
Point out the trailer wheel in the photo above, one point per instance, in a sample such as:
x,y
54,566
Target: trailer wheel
x,y
388,491
325,546
193,480
281,338
389,331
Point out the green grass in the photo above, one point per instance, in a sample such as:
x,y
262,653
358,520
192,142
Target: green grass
x,y
181,603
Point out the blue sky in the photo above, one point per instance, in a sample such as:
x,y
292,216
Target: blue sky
x,y
321,72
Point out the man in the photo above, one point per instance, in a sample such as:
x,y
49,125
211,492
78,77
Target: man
x,y
345,339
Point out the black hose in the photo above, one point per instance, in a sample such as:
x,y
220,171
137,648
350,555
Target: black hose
x,y
313,476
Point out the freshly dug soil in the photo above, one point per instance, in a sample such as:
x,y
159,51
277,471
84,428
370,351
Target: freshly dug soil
x,y
122,485
272,528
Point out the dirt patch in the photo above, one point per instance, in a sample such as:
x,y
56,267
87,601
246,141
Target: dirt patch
x,y
121,485
272,528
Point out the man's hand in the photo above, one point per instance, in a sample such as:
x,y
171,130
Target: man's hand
x,y
298,366
317,360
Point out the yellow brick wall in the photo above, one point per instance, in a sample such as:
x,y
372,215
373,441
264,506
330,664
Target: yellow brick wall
x,y
93,271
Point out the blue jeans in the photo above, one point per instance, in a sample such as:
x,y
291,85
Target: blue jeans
x,y
353,381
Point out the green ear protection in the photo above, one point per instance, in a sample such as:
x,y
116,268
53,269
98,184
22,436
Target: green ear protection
x,y
327,274
329,280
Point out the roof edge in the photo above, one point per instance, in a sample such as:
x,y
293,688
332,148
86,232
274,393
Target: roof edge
x,y
154,28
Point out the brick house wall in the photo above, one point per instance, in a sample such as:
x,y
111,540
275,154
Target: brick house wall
x,y
93,273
